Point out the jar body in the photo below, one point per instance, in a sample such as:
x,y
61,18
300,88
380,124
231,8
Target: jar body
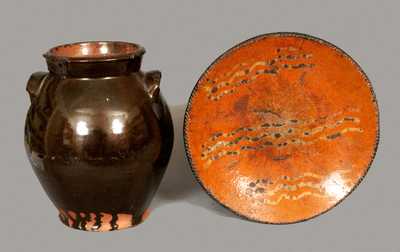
x,y
99,147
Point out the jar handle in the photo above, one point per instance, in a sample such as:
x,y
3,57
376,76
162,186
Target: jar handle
x,y
35,84
152,80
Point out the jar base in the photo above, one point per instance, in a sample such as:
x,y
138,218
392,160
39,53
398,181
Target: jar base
x,y
100,222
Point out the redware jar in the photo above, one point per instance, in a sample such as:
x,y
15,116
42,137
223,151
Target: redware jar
x,y
98,134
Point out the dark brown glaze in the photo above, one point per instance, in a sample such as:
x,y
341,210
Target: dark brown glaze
x,y
98,133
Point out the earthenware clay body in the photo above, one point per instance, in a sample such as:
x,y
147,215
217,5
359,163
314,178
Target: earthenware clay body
x,y
281,128
98,134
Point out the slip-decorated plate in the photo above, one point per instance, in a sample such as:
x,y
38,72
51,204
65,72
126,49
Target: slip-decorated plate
x,y
281,127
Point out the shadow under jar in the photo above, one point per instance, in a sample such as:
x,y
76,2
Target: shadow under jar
x,y
98,134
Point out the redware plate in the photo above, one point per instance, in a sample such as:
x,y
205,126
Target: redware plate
x,y
281,127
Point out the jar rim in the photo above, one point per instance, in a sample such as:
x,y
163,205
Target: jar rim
x,y
89,51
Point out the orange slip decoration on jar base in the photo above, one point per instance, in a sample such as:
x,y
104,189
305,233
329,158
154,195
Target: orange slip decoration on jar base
x,y
281,128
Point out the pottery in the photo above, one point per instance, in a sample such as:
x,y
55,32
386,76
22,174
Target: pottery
x,y
98,134
281,128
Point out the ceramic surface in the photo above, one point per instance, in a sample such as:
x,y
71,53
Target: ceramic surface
x,y
98,134
281,127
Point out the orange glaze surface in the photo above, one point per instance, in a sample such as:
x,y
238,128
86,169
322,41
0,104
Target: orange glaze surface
x,y
281,127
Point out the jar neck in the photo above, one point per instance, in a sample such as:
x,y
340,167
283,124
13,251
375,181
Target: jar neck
x,y
94,59
99,68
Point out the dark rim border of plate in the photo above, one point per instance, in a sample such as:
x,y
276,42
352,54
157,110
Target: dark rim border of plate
x,y
238,46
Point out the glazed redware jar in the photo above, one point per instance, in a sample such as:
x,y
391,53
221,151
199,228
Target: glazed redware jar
x,y
98,134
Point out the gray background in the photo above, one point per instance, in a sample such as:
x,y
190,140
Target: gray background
x,y
182,38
